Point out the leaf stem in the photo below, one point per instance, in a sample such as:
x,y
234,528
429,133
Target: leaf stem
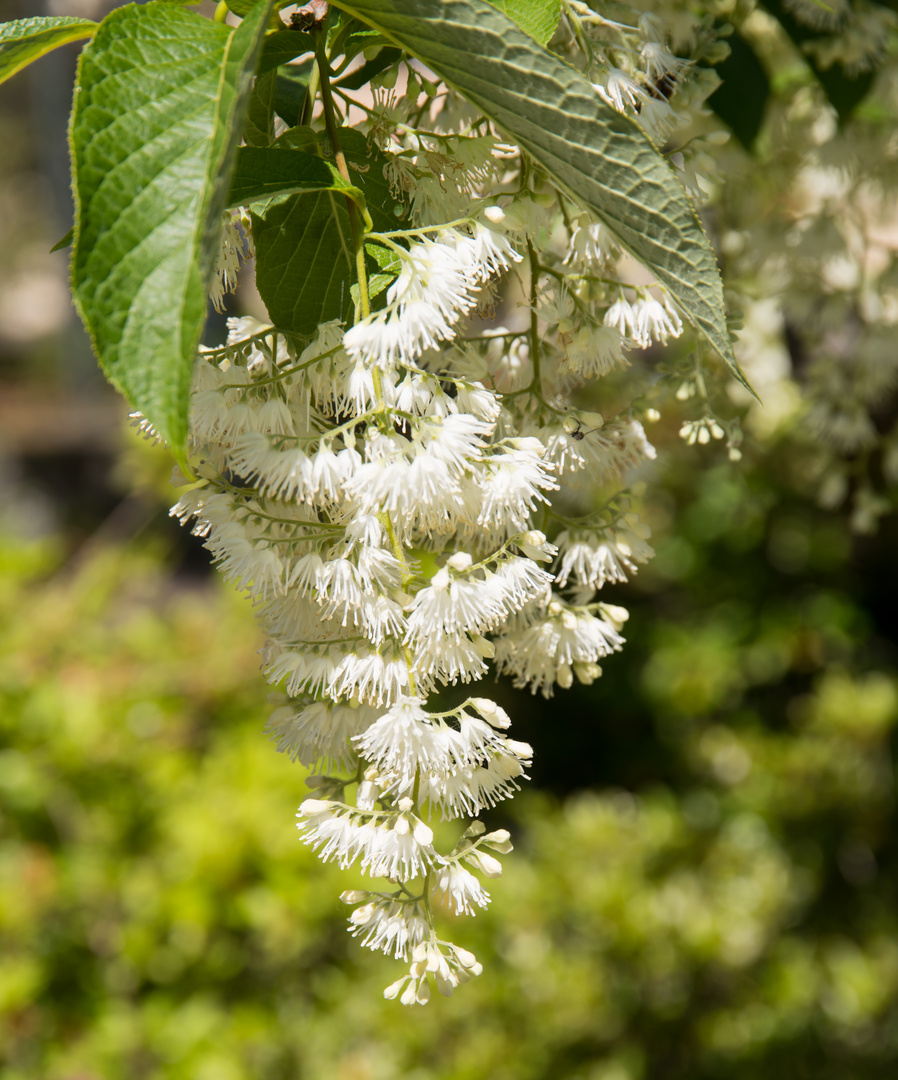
x,y
534,322
358,235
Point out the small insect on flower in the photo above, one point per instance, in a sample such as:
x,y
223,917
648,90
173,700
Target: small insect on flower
x,y
573,425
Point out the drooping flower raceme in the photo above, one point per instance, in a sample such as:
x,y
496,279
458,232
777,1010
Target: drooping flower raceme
x,y
386,493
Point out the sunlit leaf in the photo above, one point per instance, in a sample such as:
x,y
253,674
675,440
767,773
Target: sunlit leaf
x,y
158,115
599,157
23,41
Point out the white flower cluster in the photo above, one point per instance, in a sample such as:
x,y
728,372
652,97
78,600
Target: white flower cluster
x,y
385,493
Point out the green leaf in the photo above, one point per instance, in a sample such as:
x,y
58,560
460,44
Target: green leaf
x,y
741,98
304,262
282,47
538,18
363,75
264,173
158,114
259,127
386,258
366,169
246,7
65,242
304,254
602,159
26,40
377,283
290,91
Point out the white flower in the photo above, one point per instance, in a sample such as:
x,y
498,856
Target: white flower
x,y
404,741
455,440
659,61
515,480
458,889
320,733
452,605
398,847
622,317
310,669
656,321
431,293
449,969
369,675
224,276
282,474
620,91
543,653
389,926
454,658
593,560
485,252
421,493
244,327
473,788
593,351
591,245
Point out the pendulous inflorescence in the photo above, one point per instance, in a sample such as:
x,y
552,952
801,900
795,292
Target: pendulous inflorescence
x,y
415,499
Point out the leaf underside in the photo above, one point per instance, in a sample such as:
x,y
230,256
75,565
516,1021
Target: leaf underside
x,y
154,133
600,158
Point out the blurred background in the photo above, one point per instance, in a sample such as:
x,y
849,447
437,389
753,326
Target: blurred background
x,y
705,880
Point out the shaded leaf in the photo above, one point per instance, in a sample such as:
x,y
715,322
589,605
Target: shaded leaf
x,y
259,127
741,98
157,118
363,75
283,46
304,262
291,87
246,7
263,173
304,254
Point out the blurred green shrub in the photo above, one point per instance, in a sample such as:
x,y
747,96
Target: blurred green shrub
x,y
732,915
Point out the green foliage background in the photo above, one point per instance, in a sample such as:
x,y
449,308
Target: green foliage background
x,y
705,869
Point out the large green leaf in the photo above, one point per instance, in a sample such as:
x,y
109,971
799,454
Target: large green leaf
x,y
601,158
304,255
25,40
158,113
